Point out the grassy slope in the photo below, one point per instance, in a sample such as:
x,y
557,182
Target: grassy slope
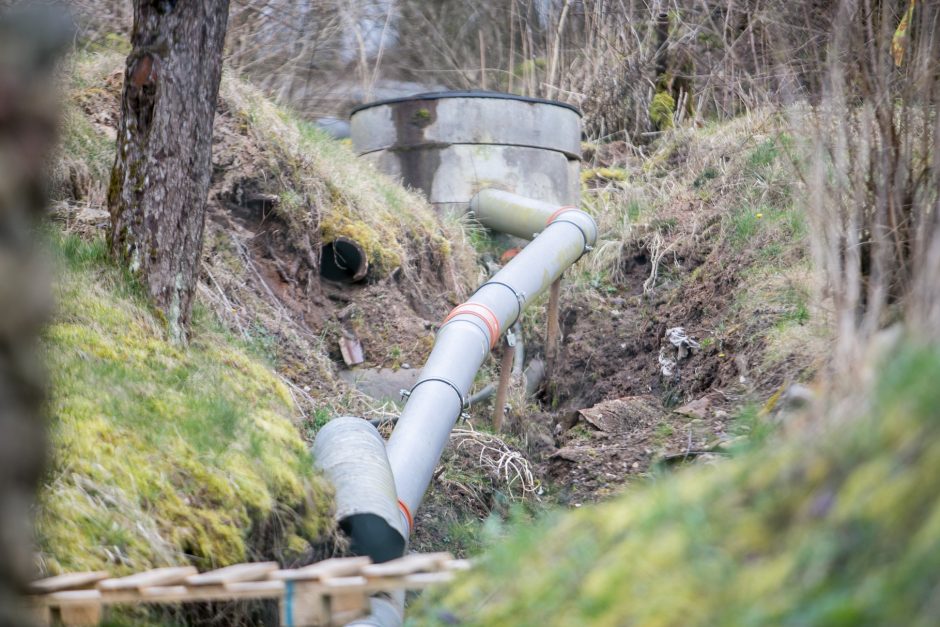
x,y
394,225
163,454
835,522
840,527
727,191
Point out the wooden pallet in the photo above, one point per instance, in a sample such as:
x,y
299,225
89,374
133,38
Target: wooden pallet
x,y
331,592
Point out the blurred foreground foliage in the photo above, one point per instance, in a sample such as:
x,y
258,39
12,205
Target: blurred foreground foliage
x,y
835,523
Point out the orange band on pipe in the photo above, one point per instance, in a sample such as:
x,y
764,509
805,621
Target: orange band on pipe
x,y
404,510
560,211
482,312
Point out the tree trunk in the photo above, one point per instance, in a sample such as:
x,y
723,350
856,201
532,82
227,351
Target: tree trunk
x,y
30,41
161,174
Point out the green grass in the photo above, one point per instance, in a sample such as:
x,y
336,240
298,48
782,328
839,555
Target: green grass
x,y
663,432
763,226
836,526
797,307
763,155
84,145
163,454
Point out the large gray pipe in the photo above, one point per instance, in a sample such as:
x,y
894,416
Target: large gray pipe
x,y
472,329
376,496
351,454
514,214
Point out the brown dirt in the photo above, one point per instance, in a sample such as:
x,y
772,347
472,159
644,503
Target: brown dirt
x,y
610,348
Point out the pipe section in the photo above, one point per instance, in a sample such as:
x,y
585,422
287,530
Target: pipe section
x,y
378,488
511,213
343,260
351,454
472,329
387,610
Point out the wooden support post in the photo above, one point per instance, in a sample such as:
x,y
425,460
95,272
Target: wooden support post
x,y
505,373
347,606
80,615
303,605
552,331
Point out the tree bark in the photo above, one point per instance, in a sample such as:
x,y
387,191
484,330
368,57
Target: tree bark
x,y
31,40
161,174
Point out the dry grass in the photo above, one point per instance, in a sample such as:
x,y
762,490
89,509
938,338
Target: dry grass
x,y
873,172
506,467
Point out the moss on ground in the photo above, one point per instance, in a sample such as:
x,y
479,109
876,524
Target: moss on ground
x,y
835,525
163,454
394,226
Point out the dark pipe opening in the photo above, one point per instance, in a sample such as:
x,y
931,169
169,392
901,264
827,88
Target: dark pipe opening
x,y
370,535
343,260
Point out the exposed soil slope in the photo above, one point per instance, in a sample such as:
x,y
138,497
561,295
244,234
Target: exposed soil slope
x,y
701,235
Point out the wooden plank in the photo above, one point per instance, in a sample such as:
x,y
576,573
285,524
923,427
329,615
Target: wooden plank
x,y
428,579
457,565
348,602
255,586
156,577
340,618
417,581
231,592
41,615
68,581
338,583
414,563
74,596
163,592
333,567
232,574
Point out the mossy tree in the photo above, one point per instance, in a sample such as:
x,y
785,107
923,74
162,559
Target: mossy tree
x,y
161,173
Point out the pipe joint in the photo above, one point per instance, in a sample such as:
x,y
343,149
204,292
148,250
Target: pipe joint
x,y
580,220
481,311
463,400
519,296
352,456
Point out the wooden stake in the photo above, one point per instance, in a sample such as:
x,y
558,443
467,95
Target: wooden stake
x,y
303,605
505,373
552,330
80,615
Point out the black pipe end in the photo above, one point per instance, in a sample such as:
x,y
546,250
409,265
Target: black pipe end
x,y
371,535
343,260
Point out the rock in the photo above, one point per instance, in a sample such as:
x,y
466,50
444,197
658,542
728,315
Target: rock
x,y
621,414
569,454
695,409
351,349
382,384
797,396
